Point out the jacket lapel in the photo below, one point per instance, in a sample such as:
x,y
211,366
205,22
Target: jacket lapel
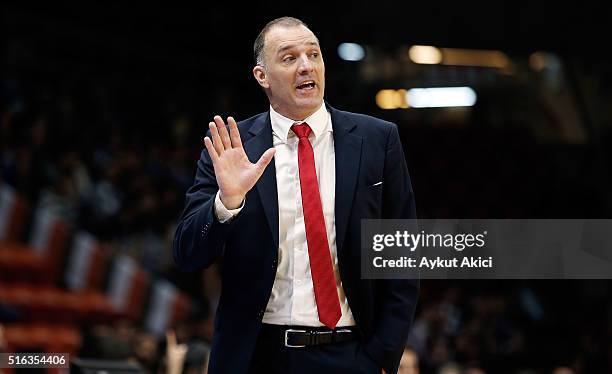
x,y
348,159
266,185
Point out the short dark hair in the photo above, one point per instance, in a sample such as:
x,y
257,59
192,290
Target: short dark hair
x,y
258,46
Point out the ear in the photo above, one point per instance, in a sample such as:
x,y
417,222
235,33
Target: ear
x,y
260,75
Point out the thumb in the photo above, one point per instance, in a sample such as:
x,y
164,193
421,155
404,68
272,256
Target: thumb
x,y
264,160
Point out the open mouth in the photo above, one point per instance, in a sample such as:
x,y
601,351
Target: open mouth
x,y
306,86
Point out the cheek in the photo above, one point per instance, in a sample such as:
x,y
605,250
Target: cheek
x,y
282,80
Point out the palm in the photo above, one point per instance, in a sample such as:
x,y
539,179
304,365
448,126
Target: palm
x,y
235,174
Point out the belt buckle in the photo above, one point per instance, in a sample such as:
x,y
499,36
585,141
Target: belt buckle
x,y
287,337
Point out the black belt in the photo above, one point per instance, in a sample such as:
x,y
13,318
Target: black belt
x,y
302,336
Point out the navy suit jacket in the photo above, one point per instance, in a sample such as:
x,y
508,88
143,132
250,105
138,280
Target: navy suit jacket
x,y
368,151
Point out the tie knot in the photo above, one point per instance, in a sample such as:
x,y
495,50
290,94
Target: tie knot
x,y
302,130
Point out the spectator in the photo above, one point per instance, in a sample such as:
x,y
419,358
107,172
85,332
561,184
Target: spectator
x,y
409,364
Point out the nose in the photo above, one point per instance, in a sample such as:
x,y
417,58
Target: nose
x,y
305,65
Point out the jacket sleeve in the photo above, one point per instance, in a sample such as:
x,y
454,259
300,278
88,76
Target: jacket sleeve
x,y
396,298
200,237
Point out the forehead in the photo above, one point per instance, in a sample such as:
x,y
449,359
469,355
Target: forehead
x,y
281,37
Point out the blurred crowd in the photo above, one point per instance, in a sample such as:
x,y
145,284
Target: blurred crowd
x,y
513,327
114,183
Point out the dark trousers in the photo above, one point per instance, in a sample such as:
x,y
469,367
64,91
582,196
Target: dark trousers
x,y
272,357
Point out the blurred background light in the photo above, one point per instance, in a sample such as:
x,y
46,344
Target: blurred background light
x,y
539,61
473,57
391,99
351,52
424,54
438,97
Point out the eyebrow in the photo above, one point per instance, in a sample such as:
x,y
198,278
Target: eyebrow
x,y
289,46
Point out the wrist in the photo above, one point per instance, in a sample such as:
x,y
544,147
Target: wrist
x,y
231,202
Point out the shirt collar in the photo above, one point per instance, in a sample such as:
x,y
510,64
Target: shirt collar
x,y
318,122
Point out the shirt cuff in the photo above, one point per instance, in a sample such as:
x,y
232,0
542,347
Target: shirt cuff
x,y
223,214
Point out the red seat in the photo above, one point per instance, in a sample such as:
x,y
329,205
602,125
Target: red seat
x,y
45,338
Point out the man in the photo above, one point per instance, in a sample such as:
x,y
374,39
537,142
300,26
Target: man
x,y
288,225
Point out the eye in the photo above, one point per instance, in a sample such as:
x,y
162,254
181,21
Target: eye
x,y
314,54
288,58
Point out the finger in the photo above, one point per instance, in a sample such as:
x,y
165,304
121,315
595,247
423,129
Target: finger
x,y
211,150
170,338
234,133
225,138
264,160
216,139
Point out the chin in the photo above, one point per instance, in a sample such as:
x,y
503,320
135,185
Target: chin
x,y
309,104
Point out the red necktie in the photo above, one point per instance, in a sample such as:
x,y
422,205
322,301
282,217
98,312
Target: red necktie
x,y
321,267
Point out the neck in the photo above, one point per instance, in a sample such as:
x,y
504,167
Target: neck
x,y
294,115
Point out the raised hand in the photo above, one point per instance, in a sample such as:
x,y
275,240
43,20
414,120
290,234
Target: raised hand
x,y
235,174
175,354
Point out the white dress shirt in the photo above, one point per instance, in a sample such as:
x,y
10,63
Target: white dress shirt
x,y
292,301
